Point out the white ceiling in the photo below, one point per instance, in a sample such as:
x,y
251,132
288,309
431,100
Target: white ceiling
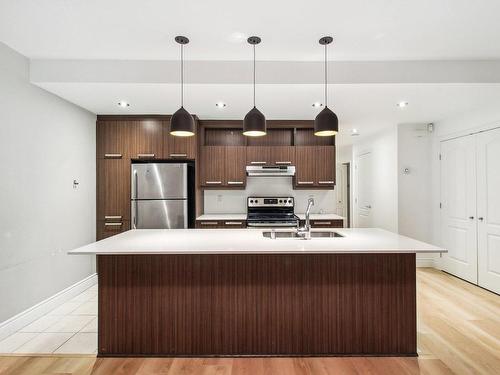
x,y
363,30
95,53
368,108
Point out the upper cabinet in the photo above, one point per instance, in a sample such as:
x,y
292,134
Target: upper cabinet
x,y
315,167
147,140
129,138
178,147
113,139
226,153
223,166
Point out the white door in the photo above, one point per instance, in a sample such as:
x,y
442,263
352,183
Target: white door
x,y
364,197
458,207
341,188
488,209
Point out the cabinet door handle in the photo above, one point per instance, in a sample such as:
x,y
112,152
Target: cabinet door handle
x,y
110,217
257,162
480,218
209,223
112,156
233,223
213,182
178,155
145,156
326,182
305,182
235,182
471,217
113,224
322,223
283,162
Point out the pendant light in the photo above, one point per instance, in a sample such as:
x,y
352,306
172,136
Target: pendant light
x,y
254,124
182,123
326,122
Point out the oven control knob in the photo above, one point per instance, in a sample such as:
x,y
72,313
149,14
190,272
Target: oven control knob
x,y
256,201
251,200
281,201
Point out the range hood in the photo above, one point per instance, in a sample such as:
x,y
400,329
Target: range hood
x,y
270,170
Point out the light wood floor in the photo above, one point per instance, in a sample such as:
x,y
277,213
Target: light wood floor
x,y
459,333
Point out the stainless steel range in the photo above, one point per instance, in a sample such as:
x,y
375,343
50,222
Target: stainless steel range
x,y
271,212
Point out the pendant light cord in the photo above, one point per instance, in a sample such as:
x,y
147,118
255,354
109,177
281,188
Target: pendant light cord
x,y
326,79
254,75
182,75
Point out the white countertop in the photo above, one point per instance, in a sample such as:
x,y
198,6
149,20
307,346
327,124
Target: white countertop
x,y
251,241
244,217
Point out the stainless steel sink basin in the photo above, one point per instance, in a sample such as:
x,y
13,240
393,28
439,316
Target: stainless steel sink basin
x,y
293,235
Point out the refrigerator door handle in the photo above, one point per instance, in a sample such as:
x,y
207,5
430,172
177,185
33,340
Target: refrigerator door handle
x,y
136,211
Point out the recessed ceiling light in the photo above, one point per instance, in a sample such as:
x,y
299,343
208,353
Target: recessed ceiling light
x,y
123,104
220,105
354,132
317,104
402,104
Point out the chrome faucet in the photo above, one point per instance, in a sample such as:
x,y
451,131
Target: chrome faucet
x,y
305,231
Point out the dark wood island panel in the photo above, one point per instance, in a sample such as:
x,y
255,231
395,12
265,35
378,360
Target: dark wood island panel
x,y
257,305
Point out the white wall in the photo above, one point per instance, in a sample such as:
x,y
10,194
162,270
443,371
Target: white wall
x,y
45,143
414,187
384,181
234,201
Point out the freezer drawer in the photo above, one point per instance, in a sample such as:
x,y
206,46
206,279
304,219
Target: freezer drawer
x,y
159,214
159,181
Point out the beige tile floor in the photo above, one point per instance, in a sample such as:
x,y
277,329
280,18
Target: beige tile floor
x,y
68,329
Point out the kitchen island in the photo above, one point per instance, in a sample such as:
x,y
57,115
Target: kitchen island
x,y
235,292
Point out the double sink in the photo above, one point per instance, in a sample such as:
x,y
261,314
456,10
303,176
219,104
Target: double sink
x,y
274,235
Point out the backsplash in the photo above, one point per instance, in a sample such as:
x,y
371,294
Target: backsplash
x,y
234,201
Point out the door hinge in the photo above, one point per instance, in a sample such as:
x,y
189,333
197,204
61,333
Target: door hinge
x,y
440,205
439,156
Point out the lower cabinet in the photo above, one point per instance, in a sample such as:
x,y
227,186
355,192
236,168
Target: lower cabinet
x,y
323,223
107,229
218,224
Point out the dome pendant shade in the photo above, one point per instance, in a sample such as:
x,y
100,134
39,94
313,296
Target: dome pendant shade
x,y
326,123
182,123
254,123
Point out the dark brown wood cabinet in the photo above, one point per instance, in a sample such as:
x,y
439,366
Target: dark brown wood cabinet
x,y
107,229
147,139
315,166
113,139
235,160
305,159
178,147
212,164
223,166
325,165
113,189
327,223
258,155
282,155
220,224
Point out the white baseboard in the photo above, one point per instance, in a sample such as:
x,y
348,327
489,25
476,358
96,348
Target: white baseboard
x,y
425,262
31,314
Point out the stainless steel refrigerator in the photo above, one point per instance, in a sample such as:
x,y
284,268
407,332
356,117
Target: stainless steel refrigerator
x,y
160,195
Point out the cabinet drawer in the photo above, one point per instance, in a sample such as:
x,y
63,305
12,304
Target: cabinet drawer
x,y
107,229
336,223
208,224
234,224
